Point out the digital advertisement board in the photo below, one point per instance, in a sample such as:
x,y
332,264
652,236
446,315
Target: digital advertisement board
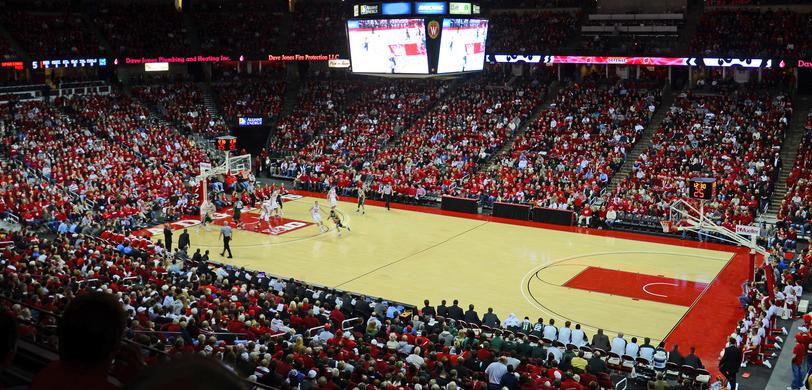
x,y
396,8
430,8
459,8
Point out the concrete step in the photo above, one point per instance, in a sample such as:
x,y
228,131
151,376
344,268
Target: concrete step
x,y
645,139
549,97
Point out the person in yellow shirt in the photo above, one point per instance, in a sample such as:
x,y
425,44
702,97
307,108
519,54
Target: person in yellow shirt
x,y
579,363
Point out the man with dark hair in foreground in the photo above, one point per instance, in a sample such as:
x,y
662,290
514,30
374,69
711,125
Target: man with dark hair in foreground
x,y
90,333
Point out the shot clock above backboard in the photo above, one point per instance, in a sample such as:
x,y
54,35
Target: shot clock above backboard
x,y
703,188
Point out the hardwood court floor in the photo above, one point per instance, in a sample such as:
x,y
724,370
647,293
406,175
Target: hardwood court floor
x,y
620,282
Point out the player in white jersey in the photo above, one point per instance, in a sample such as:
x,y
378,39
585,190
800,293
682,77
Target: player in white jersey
x,y
332,197
207,210
275,209
315,212
265,214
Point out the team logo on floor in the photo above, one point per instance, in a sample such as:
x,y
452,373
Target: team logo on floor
x,y
250,221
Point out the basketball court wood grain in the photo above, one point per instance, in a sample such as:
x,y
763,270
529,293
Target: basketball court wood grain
x,y
409,256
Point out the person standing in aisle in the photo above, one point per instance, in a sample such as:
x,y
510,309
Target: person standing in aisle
x,y
730,362
226,234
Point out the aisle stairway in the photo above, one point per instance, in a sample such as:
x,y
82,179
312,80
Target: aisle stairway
x,y
645,139
292,86
789,152
549,97
209,99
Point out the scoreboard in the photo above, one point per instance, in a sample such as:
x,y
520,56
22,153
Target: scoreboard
x,y
409,8
703,188
416,38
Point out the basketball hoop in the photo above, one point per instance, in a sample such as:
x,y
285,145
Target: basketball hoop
x,y
668,226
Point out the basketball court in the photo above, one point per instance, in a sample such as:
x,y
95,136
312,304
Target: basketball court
x,y
641,285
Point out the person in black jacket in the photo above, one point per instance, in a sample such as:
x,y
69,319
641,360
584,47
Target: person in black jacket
x,y
596,365
490,319
442,310
693,360
168,237
183,240
509,379
675,356
428,310
471,316
455,311
730,362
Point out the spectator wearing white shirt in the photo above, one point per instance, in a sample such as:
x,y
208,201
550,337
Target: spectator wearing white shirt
x,y
550,332
495,371
619,344
578,338
564,333
632,349
556,352
325,334
611,216
415,359
660,357
647,350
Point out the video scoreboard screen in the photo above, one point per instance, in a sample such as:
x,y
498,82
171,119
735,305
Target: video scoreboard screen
x,y
462,45
395,46
419,38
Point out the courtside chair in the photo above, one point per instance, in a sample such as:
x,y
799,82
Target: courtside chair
x,y
687,372
702,376
671,370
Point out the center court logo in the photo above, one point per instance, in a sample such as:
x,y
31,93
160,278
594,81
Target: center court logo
x,y
434,29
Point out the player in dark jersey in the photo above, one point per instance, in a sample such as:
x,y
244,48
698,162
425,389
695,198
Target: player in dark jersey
x,y
337,221
279,203
237,214
362,196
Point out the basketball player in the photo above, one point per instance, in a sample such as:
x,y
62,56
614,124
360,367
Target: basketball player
x,y
279,200
332,197
208,209
362,196
274,204
238,213
315,212
337,221
265,215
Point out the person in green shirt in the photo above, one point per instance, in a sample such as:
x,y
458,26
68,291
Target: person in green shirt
x,y
538,327
524,348
496,343
510,345
538,352
659,383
